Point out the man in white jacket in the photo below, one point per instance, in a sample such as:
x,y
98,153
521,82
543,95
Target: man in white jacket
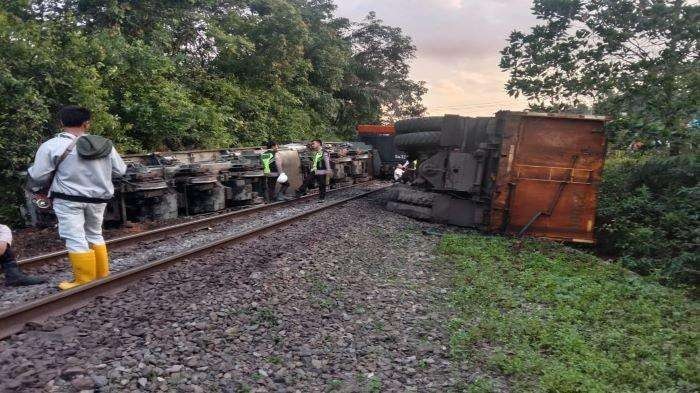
x,y
81,186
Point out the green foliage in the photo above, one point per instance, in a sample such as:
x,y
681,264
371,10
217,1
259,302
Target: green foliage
x,y
649,214
192,74
376,86
634,60
548,318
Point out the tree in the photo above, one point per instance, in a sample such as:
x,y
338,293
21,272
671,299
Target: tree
x,y
377,86
191,74
636,60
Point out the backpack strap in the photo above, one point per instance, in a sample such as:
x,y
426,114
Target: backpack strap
x,y
60,160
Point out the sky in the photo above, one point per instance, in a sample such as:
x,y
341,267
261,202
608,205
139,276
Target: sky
x,y
458,44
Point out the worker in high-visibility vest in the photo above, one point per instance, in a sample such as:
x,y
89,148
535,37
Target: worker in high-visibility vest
x,y
274,174
320,168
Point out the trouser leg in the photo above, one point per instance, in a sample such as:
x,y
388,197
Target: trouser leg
x,y
321,180
71,224
14,276
71,227
306,184
7,256
271,186
283,188
94,215
266,189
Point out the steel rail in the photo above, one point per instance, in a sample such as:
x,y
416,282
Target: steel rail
x,y
189,226
14,319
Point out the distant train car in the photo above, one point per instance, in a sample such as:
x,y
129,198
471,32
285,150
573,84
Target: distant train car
x,y
381,138
161,186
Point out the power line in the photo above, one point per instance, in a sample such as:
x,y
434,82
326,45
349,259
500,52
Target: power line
x,y
473,105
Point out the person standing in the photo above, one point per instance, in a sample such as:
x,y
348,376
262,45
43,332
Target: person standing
x,y
80,186
274,173
13,276
320,168
398,172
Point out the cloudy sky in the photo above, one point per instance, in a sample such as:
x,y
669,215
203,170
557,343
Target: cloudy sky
x,y
458,43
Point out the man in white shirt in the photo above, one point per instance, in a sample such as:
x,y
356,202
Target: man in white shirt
x,y
13,276
81,186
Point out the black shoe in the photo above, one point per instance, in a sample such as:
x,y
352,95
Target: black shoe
x,y
15,278
322,200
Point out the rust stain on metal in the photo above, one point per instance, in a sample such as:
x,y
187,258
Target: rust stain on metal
x,y
548,185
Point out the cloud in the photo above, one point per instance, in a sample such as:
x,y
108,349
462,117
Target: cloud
x,y
448,28
458,44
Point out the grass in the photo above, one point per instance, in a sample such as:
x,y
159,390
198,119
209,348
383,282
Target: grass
x,y
370,385
548,318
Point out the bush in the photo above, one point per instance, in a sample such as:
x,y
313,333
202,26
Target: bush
x,y
648,215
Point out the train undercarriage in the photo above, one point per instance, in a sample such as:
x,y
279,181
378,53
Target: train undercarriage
x,y
164,186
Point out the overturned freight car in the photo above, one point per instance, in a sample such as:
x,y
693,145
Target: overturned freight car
x,y
161,186
517,173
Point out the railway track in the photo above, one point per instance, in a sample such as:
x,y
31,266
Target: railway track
x,y
14,319
189,226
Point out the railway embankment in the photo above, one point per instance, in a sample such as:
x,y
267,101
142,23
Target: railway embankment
x,y
349,299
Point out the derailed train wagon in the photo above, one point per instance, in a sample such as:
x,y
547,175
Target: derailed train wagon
x,y
517,173
385,154
161,186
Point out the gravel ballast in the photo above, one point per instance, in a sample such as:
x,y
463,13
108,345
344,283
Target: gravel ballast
x,y
350,299
129,256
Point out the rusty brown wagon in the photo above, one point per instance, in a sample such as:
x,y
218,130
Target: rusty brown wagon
x,y
520,173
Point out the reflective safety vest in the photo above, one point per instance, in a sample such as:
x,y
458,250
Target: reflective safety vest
x,y
267,158
317,161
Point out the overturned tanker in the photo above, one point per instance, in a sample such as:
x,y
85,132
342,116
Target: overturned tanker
x,y
162,186
520,173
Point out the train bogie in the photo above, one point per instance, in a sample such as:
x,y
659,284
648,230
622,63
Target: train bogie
x,y
161,187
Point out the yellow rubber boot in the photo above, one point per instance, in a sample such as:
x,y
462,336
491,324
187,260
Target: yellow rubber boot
x,y
83,269
101,260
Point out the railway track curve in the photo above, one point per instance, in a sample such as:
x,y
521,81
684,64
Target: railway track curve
x,y
14,319
184,227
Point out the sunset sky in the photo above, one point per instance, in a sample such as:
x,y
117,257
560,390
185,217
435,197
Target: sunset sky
x,y
458,45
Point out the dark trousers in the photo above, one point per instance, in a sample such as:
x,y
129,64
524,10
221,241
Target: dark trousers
x,y
271,188
270,185
318,179
7,258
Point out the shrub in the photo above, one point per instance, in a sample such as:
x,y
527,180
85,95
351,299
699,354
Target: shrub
x,y
648,215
